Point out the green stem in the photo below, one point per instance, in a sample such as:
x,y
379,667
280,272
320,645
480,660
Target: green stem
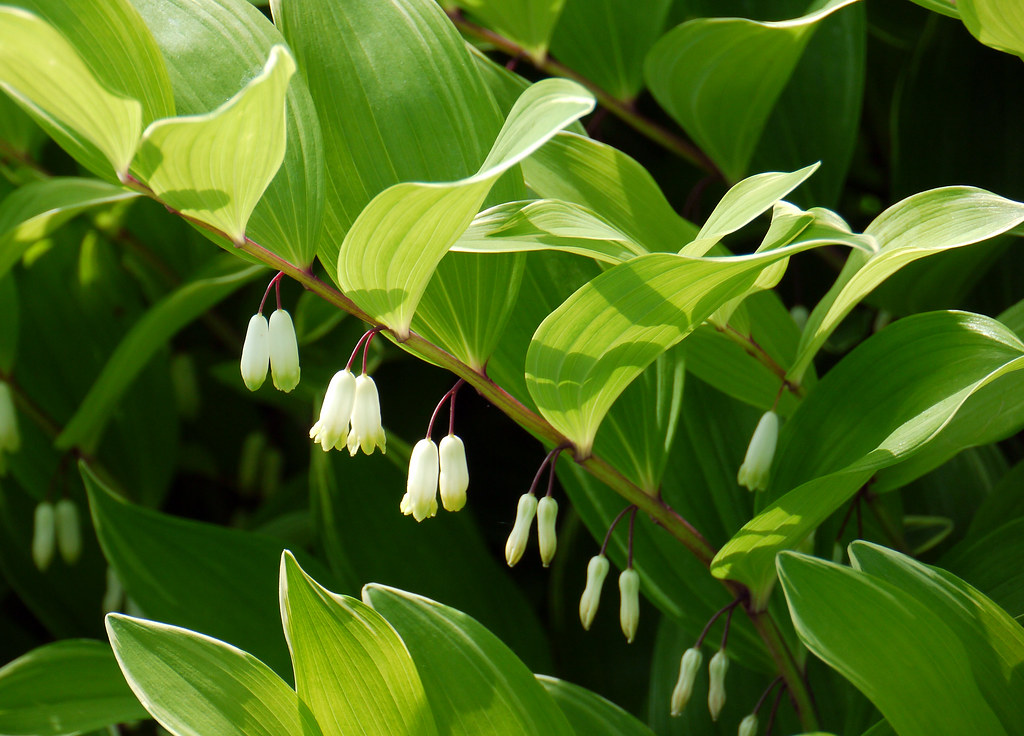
x,y
660,512
624,110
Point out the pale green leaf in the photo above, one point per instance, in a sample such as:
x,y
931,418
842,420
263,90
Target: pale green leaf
x,y
589,713
921,225
105,81
996,23
943,7
546,224
351,667
710,65
603,179
474,683
994,642
527,22
893,647
863,417
151,333
235,39
65,687
397,241
33,211
195,685
215,167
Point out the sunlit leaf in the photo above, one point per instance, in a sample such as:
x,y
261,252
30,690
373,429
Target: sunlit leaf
x,y
996,23
589,713
527,22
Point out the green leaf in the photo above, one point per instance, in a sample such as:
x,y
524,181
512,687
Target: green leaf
x,y
32,212
863,417
893,647
609,183
589,713
351,667
919,226
208,573
606,41
66,687
215,167
105,78
195,685
590,348
397,241
546,224
991,563
151,333
994,642
474,683
527,22
720,78
235,39
943,7
996,23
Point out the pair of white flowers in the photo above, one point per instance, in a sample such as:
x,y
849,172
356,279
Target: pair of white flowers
x,y
629,596
433,468
689,666
350,415
56,528
546,512
271,345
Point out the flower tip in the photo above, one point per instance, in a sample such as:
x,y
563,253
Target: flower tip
x,y
755,471
597,571
256,352
516,544
284,351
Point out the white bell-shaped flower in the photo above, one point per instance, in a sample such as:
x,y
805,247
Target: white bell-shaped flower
x,y
332,428
421,489
547,516
69,532
256,352
367,432
44,536
284,351
629,603
689,666
756,467
454,479
10,439
526,509
716,689
597,571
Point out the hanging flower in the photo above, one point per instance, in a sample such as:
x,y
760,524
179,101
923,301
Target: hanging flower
x,y
421,489
10,439
526,509
69,532
716,689
547,514
43,536
256,352
689,666
332,428
754,472
597,571
454,478
748,726
629,603
284,351
367,432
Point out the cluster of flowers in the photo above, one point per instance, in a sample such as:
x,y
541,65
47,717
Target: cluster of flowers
x,y
350,415
271,345
433,468
629,596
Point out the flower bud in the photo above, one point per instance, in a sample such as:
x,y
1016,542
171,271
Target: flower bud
x,y
689,666
800,315
547,513
284,351
43,535
367,433
597,571
332,428
516,544
256,352
754,472
748,726
113,596
716,689
454,478
629,603
69,534
10,439
421,488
